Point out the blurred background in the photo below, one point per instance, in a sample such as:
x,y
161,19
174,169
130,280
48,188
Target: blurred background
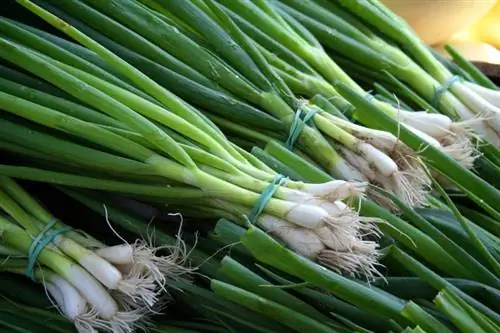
x,y
470,26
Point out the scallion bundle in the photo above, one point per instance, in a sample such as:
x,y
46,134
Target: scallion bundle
x,y
96,286
356,34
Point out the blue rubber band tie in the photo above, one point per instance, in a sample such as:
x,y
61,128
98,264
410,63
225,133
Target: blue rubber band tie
x,y
266,195
444,88
44,238
297,126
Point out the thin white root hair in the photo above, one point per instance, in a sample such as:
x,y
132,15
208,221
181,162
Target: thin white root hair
x,y
411,182
150,273
382,199
146,277
411,188
360,260
122,322
369,226
464,128
128,322
340,233
141,289
340,230
88,322
459,145
345,250
463,151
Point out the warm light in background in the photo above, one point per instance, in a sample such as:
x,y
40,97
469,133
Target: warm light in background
x,y
471,26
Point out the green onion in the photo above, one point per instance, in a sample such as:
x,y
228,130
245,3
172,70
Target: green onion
x,y
473,71
286,316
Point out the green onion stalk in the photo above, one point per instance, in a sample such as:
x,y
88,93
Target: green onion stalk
x,y
344,33
205,160
462,314
131,277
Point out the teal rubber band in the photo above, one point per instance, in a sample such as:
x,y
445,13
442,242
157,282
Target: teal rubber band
x,y
39,243
266,195
294,130
444,88
297,126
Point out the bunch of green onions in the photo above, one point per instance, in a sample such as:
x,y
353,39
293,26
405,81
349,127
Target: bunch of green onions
x,y
97,287
478,101
321,76
354,30
161,137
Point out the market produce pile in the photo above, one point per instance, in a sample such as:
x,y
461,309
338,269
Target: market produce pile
x,y
242,166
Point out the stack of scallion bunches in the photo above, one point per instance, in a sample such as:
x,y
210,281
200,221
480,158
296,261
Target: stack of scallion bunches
x,y
299,123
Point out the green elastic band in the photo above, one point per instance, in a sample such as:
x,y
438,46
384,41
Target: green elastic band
x,y
39,243
297,126
266,195
443,88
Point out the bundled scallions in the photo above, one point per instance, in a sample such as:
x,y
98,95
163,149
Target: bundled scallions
x,y
340,244
105,288
354,34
